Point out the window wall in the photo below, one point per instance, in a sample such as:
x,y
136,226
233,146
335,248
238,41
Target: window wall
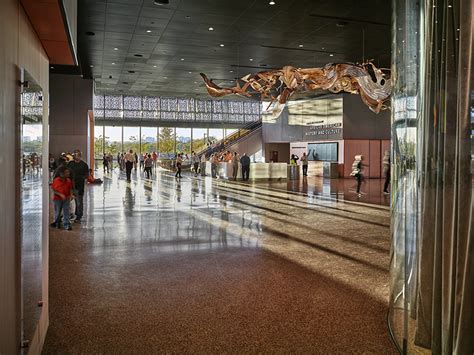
x,y
149,142
98,141
113,140
216,134
131,139
199,139
167,144
183,140
166,141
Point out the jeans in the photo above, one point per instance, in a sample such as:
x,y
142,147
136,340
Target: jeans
x,y
196,168
61,206
305,170
79,200
359,181
148,172
128,168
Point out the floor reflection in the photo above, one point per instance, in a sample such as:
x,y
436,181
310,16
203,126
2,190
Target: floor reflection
x,y
181,251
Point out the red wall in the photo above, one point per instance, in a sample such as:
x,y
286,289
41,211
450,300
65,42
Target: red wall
x,y
371,149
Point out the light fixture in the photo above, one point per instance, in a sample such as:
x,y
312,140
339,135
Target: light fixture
x,y
161,2
251,59
231,71
222,44
272,2
51,67
211,28
190,72
301,46
113,63
115,49
91,66
182,58
331,55
165,77
148,31
450,6
154,66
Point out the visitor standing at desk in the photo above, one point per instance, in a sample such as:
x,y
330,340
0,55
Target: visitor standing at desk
x,y
245,163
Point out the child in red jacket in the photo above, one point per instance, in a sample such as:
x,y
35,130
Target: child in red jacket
x,y
62,189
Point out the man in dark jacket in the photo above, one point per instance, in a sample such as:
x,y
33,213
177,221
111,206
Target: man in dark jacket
x,y
245,163
79,173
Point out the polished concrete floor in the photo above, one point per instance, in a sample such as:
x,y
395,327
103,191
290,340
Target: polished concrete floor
x,y
203,266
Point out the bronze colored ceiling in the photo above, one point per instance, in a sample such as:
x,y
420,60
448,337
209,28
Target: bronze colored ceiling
x,y
136,47
47,18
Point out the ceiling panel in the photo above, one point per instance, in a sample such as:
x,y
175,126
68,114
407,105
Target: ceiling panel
x,y
175,40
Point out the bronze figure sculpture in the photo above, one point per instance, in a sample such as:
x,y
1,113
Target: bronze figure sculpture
x,y
371,83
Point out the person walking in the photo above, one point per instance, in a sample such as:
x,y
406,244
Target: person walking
x,y
105,162
135,162
79,172
214,162
129,159
245,164
179,162
148,163
62,190
195,160
304,163
235,165
119,160
154,156
203,164
386,168
357,171
294,159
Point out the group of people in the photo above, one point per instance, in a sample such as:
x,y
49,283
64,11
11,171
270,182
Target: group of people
x,y
70,174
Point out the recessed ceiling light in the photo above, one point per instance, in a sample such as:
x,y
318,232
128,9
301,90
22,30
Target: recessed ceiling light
x,y
222,44
182,58
148,31
115,49
450,6
211,28
231,71
251,59
322,48
300,45
161,2
113,63
272,2
91,66
331,55
165,77
195,82
190,72
51,67
154,66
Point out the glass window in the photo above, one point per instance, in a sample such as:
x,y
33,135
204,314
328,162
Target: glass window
x,y
183,140
98,141
149,139
113,140
216,134
166,142
131,139
322,151
199,139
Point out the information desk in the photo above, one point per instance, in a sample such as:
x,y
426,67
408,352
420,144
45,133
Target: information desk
x,y
258,171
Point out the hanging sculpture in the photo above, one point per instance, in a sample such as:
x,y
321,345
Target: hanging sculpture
x,y
371,83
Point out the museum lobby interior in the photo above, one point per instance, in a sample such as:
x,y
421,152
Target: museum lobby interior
x,y
252,176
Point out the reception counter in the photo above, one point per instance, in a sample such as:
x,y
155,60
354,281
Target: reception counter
x,y
258,171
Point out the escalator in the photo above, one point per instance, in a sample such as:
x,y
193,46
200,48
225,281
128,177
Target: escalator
x,y
248,137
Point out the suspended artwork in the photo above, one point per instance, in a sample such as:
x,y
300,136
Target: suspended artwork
x,y
371,83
